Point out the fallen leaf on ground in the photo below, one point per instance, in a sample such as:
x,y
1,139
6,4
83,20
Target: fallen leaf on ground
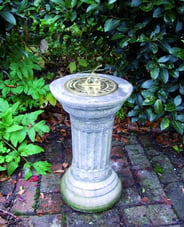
x,y
20,192
166,200
3,177
125,140
67,123
42,196
145,200
59,171
34,178
65,165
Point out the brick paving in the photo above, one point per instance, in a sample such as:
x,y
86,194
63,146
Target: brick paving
x,y
152,195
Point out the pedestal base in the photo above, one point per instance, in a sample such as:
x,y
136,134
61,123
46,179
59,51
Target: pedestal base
x,y
91,197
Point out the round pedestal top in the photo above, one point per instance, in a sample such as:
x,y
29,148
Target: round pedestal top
x,y
92,85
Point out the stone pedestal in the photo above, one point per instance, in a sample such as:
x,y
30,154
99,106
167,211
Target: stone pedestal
x,y
90,184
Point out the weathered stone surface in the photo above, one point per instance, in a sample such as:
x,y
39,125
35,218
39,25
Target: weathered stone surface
x,y
126,178
175,191
50,183
50,204
105,219
118,152
130,197
118,164
6,187
43,221
25,197
137,157
152,215
2,202
169,172
54,150
150,185
182,173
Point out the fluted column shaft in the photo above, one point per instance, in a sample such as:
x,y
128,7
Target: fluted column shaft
x,y
91,145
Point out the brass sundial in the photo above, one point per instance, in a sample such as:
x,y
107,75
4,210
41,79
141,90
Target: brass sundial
x,y
91,85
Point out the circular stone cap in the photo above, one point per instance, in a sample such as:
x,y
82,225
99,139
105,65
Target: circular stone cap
x,y
91,86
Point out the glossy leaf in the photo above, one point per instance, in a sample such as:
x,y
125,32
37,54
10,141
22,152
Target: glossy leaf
x,y
178,52
151,115
111,24
170,107
178,126
158,107
164,75
9,17
112,1
177,100
135,3
165,123
150,100
148,84
155,72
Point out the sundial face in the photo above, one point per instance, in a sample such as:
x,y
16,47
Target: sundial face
x,y
91,86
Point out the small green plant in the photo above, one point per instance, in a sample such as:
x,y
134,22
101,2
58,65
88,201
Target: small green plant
x,y
16,130
19,82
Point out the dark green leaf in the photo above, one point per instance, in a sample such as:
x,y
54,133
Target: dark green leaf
x,y
133,113
178,52
155,72
148,84
177,100
9,17
178,126
165,122
89,1
172,15
112,1
180,117
154,48
162,95
174,73
111,24
150,100
164,75
157,12
151,115
181,67
147,7
158,107
92,7
135,3
164,59
170,107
